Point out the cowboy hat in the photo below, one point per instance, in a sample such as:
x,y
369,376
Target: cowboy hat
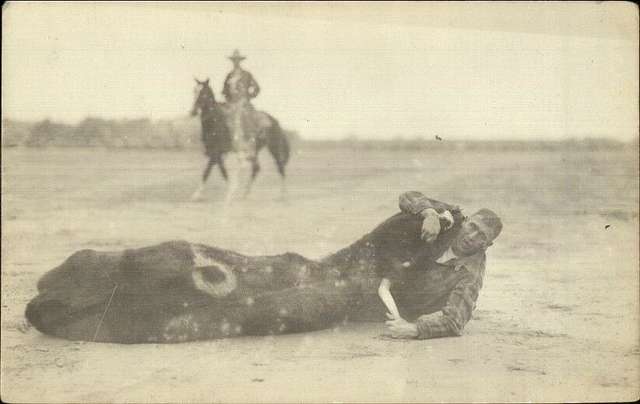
x,y
236,56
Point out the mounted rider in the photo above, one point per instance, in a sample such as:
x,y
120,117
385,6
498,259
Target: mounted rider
x,y
239,84
239,88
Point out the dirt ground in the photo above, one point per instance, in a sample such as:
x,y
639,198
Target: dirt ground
x,y
557,319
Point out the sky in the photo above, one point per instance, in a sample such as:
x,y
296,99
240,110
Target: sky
x,y
468,70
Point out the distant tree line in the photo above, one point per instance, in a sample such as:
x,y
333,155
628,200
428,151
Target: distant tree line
x,y
185,133
109,133
402,144
98,132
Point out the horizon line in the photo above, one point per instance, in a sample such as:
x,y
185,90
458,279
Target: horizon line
x,y
349,136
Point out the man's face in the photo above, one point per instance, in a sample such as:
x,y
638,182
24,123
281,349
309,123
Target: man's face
x,y
474,236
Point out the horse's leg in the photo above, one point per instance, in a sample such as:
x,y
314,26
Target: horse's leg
x,y
283,183
197,194
255,169
279,148
234,178
223,169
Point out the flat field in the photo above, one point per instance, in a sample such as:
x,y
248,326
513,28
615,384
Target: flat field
x,y
557,319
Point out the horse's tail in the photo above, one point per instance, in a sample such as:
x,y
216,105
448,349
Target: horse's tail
x,y
278,145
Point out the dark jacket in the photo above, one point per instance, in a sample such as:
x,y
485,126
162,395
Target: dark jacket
x,y
246,87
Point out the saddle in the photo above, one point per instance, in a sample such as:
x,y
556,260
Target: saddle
x,y
245,123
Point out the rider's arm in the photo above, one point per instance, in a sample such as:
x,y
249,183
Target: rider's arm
x,y
254,88
225,89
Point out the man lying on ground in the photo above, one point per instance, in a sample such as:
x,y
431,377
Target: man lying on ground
x,y
429,235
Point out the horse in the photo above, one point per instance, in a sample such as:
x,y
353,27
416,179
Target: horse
x,y
223,135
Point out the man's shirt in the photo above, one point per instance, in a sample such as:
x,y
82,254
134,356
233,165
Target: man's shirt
x,y
435,278
240,84
447,256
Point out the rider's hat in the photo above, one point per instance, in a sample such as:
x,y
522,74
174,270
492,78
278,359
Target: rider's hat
x,y
237,56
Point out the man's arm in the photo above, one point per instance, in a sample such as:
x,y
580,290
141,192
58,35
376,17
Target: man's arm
x,y
225,87
254,88
456,313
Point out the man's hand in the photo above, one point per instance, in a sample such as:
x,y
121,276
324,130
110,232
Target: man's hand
x,y
401,328
430,225
448,218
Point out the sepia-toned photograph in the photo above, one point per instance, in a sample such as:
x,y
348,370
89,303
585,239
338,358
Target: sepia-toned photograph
x,y
315,202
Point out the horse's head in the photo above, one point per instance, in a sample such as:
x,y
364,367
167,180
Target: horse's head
x,y
204,99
